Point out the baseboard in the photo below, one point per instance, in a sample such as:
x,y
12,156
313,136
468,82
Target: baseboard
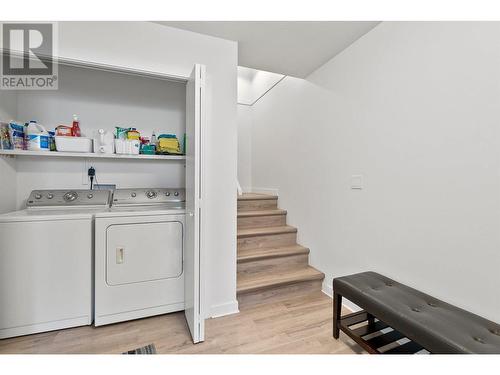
x,y
328,290
263,191
224,309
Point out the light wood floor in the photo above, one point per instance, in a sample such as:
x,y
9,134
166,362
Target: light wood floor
x,y
294,326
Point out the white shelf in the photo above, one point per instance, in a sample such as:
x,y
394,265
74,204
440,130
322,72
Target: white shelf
x,y
89,155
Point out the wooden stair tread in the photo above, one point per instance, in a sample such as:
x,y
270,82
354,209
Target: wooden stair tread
x,y
271,265
251,232
259,282
250,255
256,196
270,212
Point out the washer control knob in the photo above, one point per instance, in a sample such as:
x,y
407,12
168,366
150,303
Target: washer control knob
x,y
167,194
70,196
38,196
50,196
133,195
151,194
176,193
90,196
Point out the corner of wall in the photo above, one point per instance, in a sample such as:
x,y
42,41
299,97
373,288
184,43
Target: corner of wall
x,y
327,289
228,308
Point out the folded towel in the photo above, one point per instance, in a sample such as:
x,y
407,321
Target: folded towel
x,y
168,146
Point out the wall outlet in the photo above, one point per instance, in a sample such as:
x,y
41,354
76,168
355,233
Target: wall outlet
x,y
357,182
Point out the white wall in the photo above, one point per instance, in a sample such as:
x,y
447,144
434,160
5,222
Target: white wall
x,y
413,107
244,122
32,173
105,100
8,180
253,83
102,100
153,47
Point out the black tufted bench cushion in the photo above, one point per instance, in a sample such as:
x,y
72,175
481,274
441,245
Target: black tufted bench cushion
x,y
428,322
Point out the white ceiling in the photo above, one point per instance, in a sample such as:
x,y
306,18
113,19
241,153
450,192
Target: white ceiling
x,y
294,48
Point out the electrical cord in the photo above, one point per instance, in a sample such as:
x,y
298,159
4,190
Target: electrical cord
x,y
91,174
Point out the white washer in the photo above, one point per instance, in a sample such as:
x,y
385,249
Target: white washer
x,y
139,251
46,255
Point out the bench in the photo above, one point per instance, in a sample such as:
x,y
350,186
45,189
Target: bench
x,y
397,319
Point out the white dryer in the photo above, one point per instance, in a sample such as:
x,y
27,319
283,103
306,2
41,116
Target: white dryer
x,y
139,253
46,255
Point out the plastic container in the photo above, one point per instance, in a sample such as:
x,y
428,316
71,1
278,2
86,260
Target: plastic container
x,y
37,137
104,142
74,144
127,147
148,149
153,139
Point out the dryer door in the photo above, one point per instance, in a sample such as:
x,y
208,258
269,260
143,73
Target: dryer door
x,y
142,252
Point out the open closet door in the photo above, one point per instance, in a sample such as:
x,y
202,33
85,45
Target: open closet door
x,y
193,271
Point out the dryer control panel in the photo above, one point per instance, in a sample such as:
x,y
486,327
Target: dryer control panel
x,y
146,196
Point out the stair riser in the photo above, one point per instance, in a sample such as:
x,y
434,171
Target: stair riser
x,y
273,295
258,204
261,221
272,265
267,241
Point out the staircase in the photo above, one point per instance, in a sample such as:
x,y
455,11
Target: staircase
x,y
271,265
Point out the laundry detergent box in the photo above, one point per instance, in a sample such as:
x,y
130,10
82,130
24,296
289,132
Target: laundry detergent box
x,y
16,134
5,143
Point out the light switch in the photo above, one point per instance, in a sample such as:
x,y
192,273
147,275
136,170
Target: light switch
x,y
357,181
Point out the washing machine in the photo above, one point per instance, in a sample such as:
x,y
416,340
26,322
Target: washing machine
x,y
139,253
46,254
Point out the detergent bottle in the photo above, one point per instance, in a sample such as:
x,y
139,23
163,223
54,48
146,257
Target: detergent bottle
x,y
75,129
37,137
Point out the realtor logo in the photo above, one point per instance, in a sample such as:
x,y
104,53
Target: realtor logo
x,y
28,60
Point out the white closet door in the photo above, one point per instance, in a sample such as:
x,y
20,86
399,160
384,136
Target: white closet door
x,y
195,113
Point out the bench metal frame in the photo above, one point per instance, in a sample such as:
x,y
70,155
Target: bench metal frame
x,y
372,334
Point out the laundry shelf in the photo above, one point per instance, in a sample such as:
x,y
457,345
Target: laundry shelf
x,y
89,155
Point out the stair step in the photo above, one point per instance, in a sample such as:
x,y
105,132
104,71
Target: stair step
x,y
266,231
270,265
251,255
266,238
256,196
257,202
254,283
279,294
261,218
257,213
